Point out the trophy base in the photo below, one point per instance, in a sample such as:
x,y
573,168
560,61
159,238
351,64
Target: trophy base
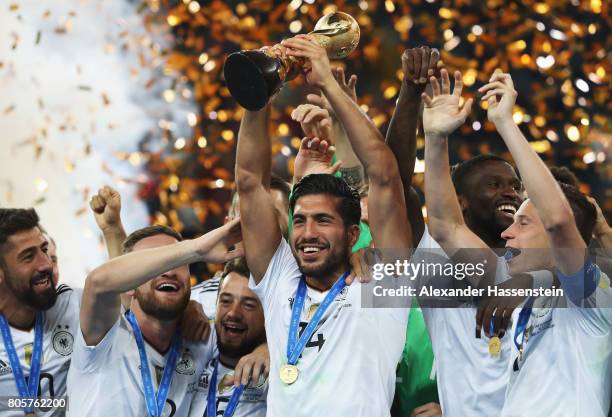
x,y
252,78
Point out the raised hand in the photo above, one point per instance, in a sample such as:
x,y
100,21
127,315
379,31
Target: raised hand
x,y
318,69
420,63
314,157
347,86
106,207
443,114
315,121
215,245
500,84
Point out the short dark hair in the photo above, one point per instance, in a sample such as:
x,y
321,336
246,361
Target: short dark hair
x,y
277,183
585,214
238,266
349,207
16,220
138,235
564,175
462,171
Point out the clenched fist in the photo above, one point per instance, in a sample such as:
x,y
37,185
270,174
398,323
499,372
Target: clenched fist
x,y
106,207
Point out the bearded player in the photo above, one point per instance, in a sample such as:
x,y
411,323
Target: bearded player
x,y
138,363
38,321
225,386
344,362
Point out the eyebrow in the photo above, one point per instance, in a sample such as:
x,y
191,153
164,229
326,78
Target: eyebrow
x,y
26,252
243,298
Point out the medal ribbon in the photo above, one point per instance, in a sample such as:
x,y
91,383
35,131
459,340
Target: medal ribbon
x,y
155,402
294,350
521,323
31,389
211,407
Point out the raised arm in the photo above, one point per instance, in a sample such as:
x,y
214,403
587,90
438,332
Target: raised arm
x,y
261,233
387,208
106,207
417,65
442,115
602,231
351,171
100,307
542,188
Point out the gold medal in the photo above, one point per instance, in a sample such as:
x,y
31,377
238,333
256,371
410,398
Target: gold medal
x,y
494,346
289,374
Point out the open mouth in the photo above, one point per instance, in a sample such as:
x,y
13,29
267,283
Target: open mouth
x,y
311,252
167,287
233,329
507,208
41,283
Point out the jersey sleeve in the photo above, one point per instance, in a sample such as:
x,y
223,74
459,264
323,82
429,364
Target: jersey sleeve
x,y
282,266
88,359
588,292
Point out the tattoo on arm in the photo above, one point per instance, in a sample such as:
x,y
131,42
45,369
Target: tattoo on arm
x,y
354,177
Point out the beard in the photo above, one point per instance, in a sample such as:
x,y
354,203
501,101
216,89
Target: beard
x,y
28,295
246,346
161,309
336,260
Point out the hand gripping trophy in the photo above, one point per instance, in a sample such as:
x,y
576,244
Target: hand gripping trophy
x,y
253,76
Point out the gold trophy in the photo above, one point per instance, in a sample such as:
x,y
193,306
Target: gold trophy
x,y
253,76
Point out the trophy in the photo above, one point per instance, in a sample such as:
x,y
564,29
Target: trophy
x,y
253,76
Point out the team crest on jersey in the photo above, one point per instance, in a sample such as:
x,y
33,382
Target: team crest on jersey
x,y
186,366
5,368
63,342
226,384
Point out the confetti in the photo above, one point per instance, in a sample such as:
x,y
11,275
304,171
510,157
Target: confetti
x,y
544,45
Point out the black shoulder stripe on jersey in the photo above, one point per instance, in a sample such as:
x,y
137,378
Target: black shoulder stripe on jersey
x,y
62,289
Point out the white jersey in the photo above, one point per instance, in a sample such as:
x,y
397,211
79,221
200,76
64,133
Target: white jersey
x,y
348,365
205,293
252,402
61,323
459,354
105,380
566,367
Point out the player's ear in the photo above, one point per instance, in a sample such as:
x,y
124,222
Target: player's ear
x,y
353,234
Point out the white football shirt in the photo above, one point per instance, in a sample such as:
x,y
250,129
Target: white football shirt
x,y
348,365
566,367
252,402
61,323
471,382
205,293
105,380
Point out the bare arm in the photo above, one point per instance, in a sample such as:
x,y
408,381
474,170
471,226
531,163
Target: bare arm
x,y
387,210
351,171
100,307
542,188
260,229
602,231
417,64
442,115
